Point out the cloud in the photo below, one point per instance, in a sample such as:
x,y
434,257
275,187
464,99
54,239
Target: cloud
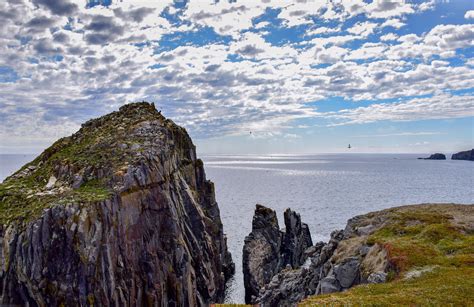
x,y
469,14
363,29
389,37
437,107
399,134
394,23
58,7
220,68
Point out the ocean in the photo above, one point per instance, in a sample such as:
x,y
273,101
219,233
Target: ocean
x,y
325,189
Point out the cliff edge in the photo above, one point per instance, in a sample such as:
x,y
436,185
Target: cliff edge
x,y
120,213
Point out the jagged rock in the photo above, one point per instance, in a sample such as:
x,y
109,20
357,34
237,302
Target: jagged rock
x,y
261,252
128,226
464,155
296,240
290,286
267,250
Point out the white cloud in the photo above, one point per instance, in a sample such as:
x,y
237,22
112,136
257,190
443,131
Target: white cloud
x,y
322,30
363,29
398,134
389,37
469,14
394,23
437,107
388,8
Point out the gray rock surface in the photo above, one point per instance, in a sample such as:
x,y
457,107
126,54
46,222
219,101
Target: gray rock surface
x,y
154,237
261,252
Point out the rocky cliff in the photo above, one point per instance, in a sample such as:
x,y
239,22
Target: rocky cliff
x,y
120,213
464,155
397,245
267,250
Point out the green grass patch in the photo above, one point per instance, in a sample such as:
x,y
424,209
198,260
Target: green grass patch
x,y
445,286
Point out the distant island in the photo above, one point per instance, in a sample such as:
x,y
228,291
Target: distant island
x,y
462,155
436,156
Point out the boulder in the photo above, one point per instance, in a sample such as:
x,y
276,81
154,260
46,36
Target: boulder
x,y
329,284
347,272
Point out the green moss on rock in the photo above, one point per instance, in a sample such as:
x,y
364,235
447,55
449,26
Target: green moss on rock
x,y
101,148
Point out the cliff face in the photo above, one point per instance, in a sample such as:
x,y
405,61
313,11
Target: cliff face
x,y
267,250
120,213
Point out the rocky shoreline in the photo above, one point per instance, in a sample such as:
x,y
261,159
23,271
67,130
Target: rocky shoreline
x,y
353,256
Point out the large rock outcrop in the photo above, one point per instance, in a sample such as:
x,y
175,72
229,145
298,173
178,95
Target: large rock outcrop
x,y
267,249
464,155
118,214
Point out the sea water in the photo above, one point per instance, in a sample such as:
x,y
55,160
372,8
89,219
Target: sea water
x,y
325,189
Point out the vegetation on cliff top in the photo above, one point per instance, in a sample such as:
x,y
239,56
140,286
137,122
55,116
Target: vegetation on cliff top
x,y
431,252
101,148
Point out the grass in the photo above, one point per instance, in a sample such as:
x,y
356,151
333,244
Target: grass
x,y
445,286
16,205
417,239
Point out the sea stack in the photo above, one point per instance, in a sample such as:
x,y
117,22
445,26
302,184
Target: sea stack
x,y
120,213
268,250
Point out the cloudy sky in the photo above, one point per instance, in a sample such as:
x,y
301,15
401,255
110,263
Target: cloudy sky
x,y
244,76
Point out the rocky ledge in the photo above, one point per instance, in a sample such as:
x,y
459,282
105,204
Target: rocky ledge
x,y
464,155
118,214
413,255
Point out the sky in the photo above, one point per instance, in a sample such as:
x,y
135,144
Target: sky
x,y
244,77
